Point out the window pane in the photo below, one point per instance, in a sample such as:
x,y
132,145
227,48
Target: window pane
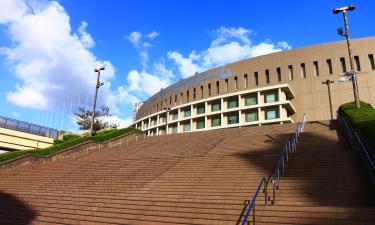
x,y
187,127
272,114
357,63
372,62
251,100
200,110
233,103
251,116
187,113
343,65
175,116
216,122
215,107
270,97
232,119
329,64
174,129
200,124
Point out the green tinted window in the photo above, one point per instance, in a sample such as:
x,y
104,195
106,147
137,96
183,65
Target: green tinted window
x,y
270,97
200,109
272,114
215,122
200,124
187,127
175,116
215,107
251,100
187,113
174,130
232,119
233,103
251,116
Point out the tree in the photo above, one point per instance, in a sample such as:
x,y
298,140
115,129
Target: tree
x,y
84,119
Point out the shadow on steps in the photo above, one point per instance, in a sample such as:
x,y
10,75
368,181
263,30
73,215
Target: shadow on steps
x,y
13,210
324,172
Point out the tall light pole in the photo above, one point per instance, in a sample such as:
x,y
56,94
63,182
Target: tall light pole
x,y
98,85
328,83
352,73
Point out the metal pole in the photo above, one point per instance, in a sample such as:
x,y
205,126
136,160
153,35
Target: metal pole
x,y
329,98
328,83
352,70
94,108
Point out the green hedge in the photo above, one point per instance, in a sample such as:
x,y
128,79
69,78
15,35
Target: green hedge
x,y
113,133
70,141
363,120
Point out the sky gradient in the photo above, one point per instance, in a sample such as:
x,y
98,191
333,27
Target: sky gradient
x,y
49,49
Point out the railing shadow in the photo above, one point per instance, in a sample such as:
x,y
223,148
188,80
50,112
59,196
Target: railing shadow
x,y
14,211
324,171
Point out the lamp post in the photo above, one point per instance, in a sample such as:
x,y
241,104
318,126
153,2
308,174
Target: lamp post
x,y
328,83
98,85
352,73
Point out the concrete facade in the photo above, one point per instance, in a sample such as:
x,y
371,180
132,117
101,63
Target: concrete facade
x,y
302,69
17,140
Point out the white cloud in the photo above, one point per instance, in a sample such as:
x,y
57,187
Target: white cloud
x,y
85,37
224,34
153,35
12,10
186,66
230,45
53,62
135,38
146,83
122,123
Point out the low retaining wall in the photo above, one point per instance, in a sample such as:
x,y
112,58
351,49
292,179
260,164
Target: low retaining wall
x,y
72,152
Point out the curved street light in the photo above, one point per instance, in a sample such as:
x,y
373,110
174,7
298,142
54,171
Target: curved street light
x,y
98,85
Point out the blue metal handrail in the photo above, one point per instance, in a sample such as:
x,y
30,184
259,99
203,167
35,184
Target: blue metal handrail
x,y
252,203
290,147
26,127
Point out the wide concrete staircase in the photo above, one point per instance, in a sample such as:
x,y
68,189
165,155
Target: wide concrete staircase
x,y
195,178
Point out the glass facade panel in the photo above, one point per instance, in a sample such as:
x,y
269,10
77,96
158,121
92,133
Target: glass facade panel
x,y
232,103
187,127
175,116
270,97
201,109
216,107
272,114
216,121
232,119
174,130
187,112
200,124
251,100
251,116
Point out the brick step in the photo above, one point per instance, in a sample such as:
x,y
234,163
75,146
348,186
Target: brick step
x,y
91,217
123,198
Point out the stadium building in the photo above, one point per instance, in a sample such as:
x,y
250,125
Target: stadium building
x,y
273,88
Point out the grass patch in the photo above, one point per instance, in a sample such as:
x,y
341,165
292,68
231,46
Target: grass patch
x,y
362,119
70,141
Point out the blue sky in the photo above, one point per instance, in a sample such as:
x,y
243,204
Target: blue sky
x,y
48,49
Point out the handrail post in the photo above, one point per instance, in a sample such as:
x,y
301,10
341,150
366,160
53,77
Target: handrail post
x,y
273,191
265,191
283,163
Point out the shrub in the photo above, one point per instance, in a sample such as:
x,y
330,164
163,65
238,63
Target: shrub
x,y
363,120
70,141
